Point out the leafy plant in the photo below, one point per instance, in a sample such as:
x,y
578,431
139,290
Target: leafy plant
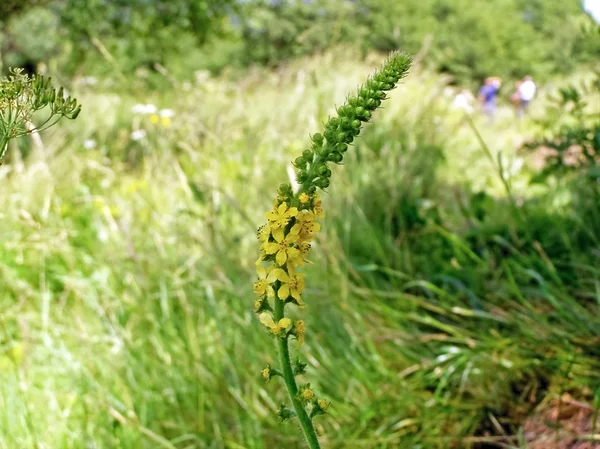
x,y
21,97
285,239
570,138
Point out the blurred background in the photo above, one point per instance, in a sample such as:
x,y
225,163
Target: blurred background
x,y
455,296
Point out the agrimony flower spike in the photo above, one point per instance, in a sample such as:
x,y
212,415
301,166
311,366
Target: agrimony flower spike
x,y
22,96
291,226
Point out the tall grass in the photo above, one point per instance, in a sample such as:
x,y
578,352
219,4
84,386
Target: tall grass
x,y
443,320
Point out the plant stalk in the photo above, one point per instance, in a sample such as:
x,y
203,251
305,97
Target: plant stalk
x,y
290,383
3,146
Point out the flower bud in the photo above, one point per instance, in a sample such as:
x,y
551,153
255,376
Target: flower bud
x,y
322,183
268,373
262,305
335,157
285,190
285,413
319,408
322,170
302,177
341,147
317,138
299,367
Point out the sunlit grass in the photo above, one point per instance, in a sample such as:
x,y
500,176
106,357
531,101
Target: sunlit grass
x,y
431,323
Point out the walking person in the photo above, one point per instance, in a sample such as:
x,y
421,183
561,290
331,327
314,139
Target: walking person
x,y
488,94
526,91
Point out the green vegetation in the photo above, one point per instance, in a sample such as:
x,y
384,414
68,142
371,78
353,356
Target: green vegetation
x,y
508,38
455,293
438,309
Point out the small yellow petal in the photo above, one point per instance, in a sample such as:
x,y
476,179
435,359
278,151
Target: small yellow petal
x,y
293,211
278,235
271,248
283,292
285,322
282,275
273,275
294,254
266,319
280,258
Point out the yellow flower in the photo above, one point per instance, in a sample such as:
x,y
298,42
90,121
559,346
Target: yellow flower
x,y
304,198
154,119
318,207
281,216
276,328
265,278
282,247
266,373
292,284
306,227
165,121
304,248
300,331
307,394
323,404
263,234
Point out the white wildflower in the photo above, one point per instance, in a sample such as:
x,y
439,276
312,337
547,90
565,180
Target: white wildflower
x,y
138,134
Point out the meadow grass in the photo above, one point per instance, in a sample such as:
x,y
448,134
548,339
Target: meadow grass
x,y
441,313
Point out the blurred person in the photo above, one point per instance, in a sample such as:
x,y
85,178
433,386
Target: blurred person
x,y
488,94
526,90
515,98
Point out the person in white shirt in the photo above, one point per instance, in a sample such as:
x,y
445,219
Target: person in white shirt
x,y
526,92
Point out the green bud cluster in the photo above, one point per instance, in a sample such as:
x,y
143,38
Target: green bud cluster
x,y
285,413
21,96
299,367
312,166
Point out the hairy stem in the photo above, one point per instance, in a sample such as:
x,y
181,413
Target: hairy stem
x,y
290,383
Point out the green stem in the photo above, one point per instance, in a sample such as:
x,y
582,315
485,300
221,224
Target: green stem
x,y
290,383
3,146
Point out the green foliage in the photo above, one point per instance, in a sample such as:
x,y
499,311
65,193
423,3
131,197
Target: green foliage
x,y
569,140
507,37
9,8
21,97
119,34
140,32
20,46
434,314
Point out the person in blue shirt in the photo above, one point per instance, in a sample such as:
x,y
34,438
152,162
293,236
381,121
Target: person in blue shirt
x,y
488,94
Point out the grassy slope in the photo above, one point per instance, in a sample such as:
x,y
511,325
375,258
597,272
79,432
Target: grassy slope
x,y
125,274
